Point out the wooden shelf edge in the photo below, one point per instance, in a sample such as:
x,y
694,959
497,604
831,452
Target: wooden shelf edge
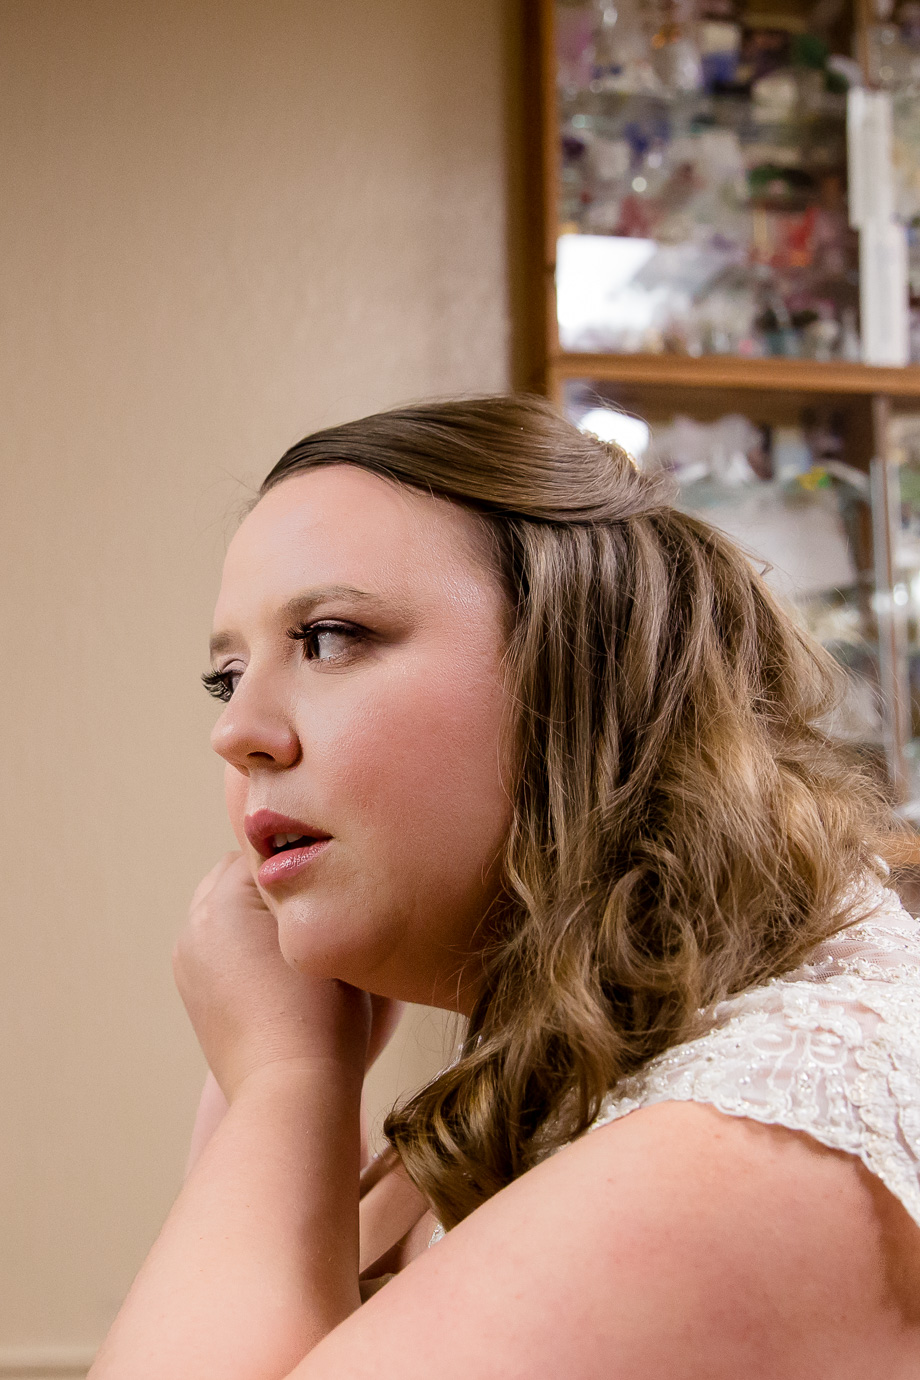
x,y
728,371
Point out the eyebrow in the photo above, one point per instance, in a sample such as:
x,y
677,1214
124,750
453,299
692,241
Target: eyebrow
x,y
300,607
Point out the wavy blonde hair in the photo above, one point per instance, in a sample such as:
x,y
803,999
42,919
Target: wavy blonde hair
x,y
682,822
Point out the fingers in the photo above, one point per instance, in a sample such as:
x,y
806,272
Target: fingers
x,y
208,882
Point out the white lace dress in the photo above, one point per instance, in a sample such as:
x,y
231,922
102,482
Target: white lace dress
x,y
831,1049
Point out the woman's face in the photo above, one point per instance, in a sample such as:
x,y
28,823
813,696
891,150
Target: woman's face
x,y
361,630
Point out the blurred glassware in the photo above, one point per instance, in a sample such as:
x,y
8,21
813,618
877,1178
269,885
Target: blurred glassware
x,y
724,145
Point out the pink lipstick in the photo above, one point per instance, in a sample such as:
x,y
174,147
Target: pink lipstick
x,y
287,845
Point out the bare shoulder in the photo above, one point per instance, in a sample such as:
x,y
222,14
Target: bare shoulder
x,y
676,1241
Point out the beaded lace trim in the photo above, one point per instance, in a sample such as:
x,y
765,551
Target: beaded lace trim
x,y
831,1049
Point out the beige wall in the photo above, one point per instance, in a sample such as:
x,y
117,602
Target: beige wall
x,y
223,223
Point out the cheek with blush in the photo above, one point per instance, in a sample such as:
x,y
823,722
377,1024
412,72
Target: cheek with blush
x,y
421,768
405,772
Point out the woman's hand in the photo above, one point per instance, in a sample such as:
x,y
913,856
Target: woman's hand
x,y
248,1007
259,1257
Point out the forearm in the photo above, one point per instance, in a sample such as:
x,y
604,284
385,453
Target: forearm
x,y
212,1108
258,1259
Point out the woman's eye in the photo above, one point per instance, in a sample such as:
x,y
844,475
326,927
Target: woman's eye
x,y
220,684
326,641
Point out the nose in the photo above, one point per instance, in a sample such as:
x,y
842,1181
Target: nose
x,y
255,730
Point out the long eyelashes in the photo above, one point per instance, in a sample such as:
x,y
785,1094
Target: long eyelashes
x,y
221,684
218,683
309,634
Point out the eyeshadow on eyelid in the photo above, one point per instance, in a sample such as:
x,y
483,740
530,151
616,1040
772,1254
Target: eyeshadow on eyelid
x,y
303,606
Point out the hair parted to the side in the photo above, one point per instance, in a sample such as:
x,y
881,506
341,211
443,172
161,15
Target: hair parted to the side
x,y
683,824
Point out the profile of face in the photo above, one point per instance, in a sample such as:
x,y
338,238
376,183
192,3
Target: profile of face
x,y
359,634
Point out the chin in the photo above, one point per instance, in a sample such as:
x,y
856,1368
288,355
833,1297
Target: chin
x,y
334,942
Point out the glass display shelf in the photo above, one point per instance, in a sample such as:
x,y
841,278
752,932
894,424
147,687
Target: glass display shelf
x,y
703,181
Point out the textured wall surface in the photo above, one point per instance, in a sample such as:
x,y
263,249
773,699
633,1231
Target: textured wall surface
x,y
224,223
